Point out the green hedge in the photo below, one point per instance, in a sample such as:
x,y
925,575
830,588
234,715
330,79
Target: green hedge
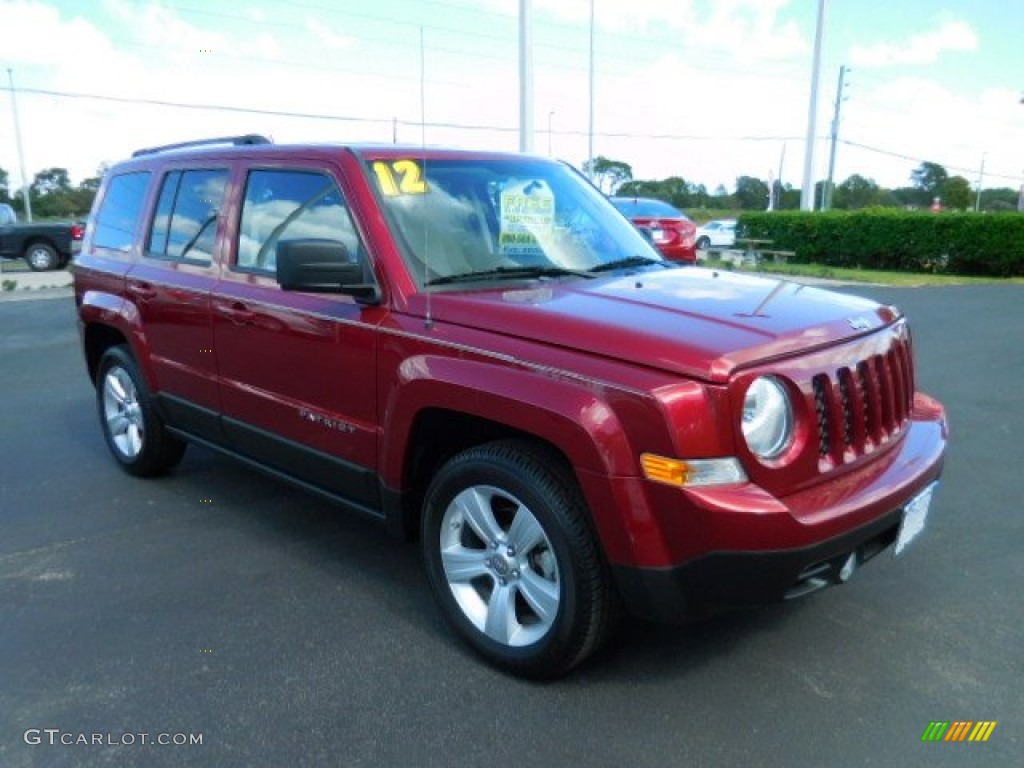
x,y
907,241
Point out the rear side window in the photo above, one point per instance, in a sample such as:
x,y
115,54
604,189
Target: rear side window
x,y
118,216
185,225
291,205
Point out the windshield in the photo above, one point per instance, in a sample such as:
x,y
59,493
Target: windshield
x,y
501,219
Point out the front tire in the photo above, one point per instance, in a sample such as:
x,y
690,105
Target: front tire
x,y
131,425
41,257
512,560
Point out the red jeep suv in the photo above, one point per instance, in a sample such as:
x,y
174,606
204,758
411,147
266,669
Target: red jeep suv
x,y
478,350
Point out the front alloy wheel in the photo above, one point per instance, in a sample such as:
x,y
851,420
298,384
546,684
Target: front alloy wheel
x,y
503,575
512,560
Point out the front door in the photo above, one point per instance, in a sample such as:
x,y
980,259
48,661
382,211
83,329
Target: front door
x,y
297,370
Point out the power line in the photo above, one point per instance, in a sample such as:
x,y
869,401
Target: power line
x,y
919,160
384,120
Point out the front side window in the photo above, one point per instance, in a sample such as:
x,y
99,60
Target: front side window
x,y
283,205
457,219
185,225
118,215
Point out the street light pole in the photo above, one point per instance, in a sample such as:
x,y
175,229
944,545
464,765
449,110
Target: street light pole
x,y
590,123
525,79
827,193
807,192
21,154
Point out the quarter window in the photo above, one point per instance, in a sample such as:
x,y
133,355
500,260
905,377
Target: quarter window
x,y
119,213
291,205
185,225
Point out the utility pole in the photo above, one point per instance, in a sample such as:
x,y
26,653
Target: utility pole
x,y
827,194
981,179
21,155
525,79
807,192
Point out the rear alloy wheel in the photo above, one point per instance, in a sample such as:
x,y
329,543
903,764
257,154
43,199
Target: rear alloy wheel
x,y
133,429
41,257
512,561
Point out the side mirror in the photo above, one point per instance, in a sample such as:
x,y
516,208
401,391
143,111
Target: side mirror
x,y
322,266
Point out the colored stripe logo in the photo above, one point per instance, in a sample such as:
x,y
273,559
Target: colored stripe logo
x,y
958,730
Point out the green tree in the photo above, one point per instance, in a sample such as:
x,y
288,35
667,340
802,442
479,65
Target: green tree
x,y
51,181
786,198
928,179
857,192
5,191
751,193
956,193
608,174
999,200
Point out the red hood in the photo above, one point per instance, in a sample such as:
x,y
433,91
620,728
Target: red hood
x,y
689,321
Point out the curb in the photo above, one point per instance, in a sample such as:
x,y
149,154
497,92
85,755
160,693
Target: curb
x,y
18,284
38,294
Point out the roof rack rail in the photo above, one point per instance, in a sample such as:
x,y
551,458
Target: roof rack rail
x,y
249,138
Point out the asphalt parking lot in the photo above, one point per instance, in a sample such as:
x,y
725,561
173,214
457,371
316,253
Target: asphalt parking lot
x,y
220,603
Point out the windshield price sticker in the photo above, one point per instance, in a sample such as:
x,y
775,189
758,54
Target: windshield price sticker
x,y
527,216
400,177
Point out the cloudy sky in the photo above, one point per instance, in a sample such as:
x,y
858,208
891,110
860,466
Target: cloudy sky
x,y
704,89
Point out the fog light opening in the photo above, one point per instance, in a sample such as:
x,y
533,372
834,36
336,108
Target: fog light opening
x,y
848,568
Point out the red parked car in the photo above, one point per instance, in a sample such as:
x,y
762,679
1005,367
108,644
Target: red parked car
x,y
669,228
476,350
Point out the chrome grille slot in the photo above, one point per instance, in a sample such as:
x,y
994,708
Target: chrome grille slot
x,y
861,406
821,409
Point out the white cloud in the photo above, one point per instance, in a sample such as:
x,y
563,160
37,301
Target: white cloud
x,y
326,36
922,48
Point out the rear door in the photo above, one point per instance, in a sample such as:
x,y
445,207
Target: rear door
x,y
170,285
297,370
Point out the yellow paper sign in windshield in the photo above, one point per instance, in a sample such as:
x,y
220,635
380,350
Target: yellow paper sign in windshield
x,y
527,217
400,177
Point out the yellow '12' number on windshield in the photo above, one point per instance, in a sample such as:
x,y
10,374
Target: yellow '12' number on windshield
x,y
409,179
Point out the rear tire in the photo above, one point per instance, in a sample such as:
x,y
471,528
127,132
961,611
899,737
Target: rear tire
x,y
131,425
512,560
41,257
703,243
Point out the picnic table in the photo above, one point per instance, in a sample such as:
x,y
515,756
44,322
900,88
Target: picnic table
x,y
755,250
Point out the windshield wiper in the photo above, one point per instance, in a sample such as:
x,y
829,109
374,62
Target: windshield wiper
x,y
629,261
509,272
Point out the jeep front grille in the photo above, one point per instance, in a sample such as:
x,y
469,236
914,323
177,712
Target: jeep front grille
x,y
863,406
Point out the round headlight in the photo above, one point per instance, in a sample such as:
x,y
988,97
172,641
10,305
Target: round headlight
x,y
767,417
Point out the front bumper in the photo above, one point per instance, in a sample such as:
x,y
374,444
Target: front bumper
x,y
787,547
736,579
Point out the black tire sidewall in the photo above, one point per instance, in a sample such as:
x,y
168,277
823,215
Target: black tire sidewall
x,y
542,658
703,243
